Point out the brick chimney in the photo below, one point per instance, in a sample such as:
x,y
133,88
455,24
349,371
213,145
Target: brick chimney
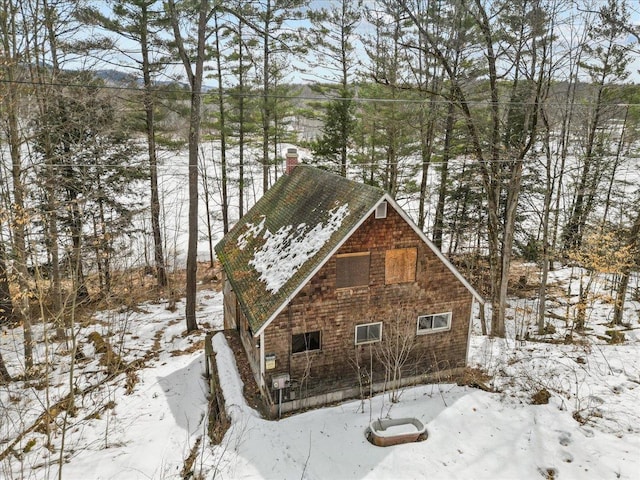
x,y
292,159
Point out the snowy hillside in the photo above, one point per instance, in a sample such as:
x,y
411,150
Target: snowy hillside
x,y
555,410
146,423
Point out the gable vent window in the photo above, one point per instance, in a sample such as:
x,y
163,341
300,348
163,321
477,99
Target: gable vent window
x,y
368,333
381,210
352,270
305,342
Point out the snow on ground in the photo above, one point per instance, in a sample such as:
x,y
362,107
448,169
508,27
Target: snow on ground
x,y
590,429
472,434
114,435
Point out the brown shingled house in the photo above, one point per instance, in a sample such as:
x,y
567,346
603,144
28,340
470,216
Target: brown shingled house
x,y
326,279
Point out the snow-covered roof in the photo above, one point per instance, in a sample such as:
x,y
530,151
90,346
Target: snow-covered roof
x,y
288,235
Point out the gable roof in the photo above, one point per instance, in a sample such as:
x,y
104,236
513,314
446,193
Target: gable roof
x,y
272,252
287,234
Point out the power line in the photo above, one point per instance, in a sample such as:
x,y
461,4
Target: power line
x,y
469,160
228,94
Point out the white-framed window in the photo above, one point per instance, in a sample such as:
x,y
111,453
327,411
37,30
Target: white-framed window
x,y
434,323
381,210
368,333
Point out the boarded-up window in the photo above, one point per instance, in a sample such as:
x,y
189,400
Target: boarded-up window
x,y
400,265
304,342
352,270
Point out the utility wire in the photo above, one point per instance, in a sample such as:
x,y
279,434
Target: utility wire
x,y
212,93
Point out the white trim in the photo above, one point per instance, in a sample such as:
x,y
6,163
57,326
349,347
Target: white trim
x,y
381,210
434,249
304,282
355,333
385,198
427,331
261,355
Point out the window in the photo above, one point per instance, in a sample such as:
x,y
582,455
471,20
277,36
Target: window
x,y
352,270
305,342
368,333
400,265
381,210
434,323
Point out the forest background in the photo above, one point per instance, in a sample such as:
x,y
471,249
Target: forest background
x,y
508,129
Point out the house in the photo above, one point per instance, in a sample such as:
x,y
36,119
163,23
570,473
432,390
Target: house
x,y
335,291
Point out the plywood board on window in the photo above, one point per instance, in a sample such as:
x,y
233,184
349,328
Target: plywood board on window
x,y
400,265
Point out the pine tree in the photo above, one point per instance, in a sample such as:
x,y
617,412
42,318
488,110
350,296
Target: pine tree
x,y
332,39
137,21
606,62
87,155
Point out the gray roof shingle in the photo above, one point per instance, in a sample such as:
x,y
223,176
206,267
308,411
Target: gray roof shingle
x,y
288,234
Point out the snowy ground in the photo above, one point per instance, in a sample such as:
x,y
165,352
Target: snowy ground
x,y
148,433
145,423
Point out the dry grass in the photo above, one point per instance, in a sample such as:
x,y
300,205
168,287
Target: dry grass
x,y
187,468
195,347
476,378
129,289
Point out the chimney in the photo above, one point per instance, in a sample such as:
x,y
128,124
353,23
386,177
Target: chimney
x,y
292,159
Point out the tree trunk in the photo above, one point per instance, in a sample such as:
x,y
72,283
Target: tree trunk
x,y
149,104
621,294
616,163
50,190
223,135
19,217
207,206
241,127
5,376
546,213
195,119
7,315
266,107
574,229
438,227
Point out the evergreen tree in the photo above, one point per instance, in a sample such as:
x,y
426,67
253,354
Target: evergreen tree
x,y
137,21
92,161
277,45
499,148
332,40
606,62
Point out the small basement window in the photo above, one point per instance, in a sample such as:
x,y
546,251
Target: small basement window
x,y
368,333
434,323
381,210
305,342
352,270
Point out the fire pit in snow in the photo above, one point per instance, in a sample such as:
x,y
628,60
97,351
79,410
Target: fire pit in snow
x,y
393,431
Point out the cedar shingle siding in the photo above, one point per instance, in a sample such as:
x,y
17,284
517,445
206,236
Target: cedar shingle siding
x,y
364,271
336,312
